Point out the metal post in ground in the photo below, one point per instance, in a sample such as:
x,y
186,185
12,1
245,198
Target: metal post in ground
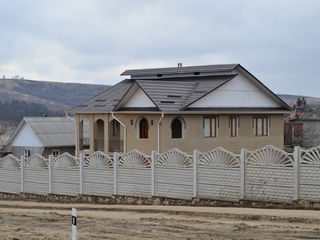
x,y
74,223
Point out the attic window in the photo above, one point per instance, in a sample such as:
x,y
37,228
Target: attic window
x,y
196,73
167,101
116,100
200,92
173,96
99,105
100,100
159,75
83,105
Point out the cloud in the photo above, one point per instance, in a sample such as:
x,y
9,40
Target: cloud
x,y
94,41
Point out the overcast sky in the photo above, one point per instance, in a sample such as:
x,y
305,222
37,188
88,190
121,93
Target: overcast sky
x,y
94,41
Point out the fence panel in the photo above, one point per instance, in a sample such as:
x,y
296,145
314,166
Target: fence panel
x,y
134,174
65,175
219,175
98,174
174,175
309,174
36,175
269,175
10,174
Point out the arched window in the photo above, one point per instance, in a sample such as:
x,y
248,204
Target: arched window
x,y
177,128
143,128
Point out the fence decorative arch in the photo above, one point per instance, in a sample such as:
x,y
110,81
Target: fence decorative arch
x,y
219,157
175,157
134,158
9,161
311,156
270,156
36,161
98,159
65,160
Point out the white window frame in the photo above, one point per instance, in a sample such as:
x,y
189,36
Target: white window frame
x,y
26,153
53,152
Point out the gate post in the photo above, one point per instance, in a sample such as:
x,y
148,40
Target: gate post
x,y
153,173
243,156
81,161
115,172
196,155
296,165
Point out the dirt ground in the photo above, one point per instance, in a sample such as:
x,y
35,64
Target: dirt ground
x,y
32,220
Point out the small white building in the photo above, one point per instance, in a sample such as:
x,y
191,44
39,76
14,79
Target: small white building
x,y
43,135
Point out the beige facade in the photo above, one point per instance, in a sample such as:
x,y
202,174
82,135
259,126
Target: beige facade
x,y
104,137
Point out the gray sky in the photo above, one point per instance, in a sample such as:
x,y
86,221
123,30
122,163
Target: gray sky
x,y
94,41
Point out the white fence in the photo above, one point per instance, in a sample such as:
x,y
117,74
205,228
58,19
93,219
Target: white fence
x,y
267,174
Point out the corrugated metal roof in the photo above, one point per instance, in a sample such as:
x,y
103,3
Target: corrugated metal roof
x,y
53,131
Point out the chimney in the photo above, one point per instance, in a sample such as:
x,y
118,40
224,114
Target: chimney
x,y
179,64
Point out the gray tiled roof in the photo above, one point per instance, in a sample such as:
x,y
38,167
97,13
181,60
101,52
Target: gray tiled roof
x,y
180,70
171,89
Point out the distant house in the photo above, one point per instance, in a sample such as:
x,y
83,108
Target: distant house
x,y
197,107
43,135
302,127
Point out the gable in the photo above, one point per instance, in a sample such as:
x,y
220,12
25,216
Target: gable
x,y
238,92
136,98
26,137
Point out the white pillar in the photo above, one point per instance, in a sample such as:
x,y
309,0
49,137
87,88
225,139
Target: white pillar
x,y
81,163
243,157
74,224
115,172
22,174
153,172
296,165
196,155
50,173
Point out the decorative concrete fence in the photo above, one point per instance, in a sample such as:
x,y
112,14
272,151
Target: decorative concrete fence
x,y
266,174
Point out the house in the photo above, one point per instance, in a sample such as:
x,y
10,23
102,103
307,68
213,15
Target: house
x,y
43,135
196,107
302,126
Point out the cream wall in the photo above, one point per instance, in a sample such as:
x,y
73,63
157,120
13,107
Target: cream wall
x,y
193,137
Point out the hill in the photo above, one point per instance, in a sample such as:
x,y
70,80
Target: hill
x,y
56,96
313,102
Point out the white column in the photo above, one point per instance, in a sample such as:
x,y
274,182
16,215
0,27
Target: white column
x,y
22,174
115,172
296,165
243,159
74,224
50,173
153,173
196,155
81,162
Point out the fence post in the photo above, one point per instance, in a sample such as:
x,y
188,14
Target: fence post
x,y
196,155
243,156
22,174
153,172
296,165
81,161
115,172
50,173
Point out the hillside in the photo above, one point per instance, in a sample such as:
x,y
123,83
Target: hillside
x,y
56,96
313,102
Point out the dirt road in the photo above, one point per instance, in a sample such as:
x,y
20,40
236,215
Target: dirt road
x,y
31,220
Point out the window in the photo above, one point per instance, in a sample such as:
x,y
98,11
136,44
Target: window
x,y
233,125
26,153
176,128
143,128
260,125
210,126
115,127
55,153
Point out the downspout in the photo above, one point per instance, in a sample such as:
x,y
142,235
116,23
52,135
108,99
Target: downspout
x,y
75,130
125,132
162,115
